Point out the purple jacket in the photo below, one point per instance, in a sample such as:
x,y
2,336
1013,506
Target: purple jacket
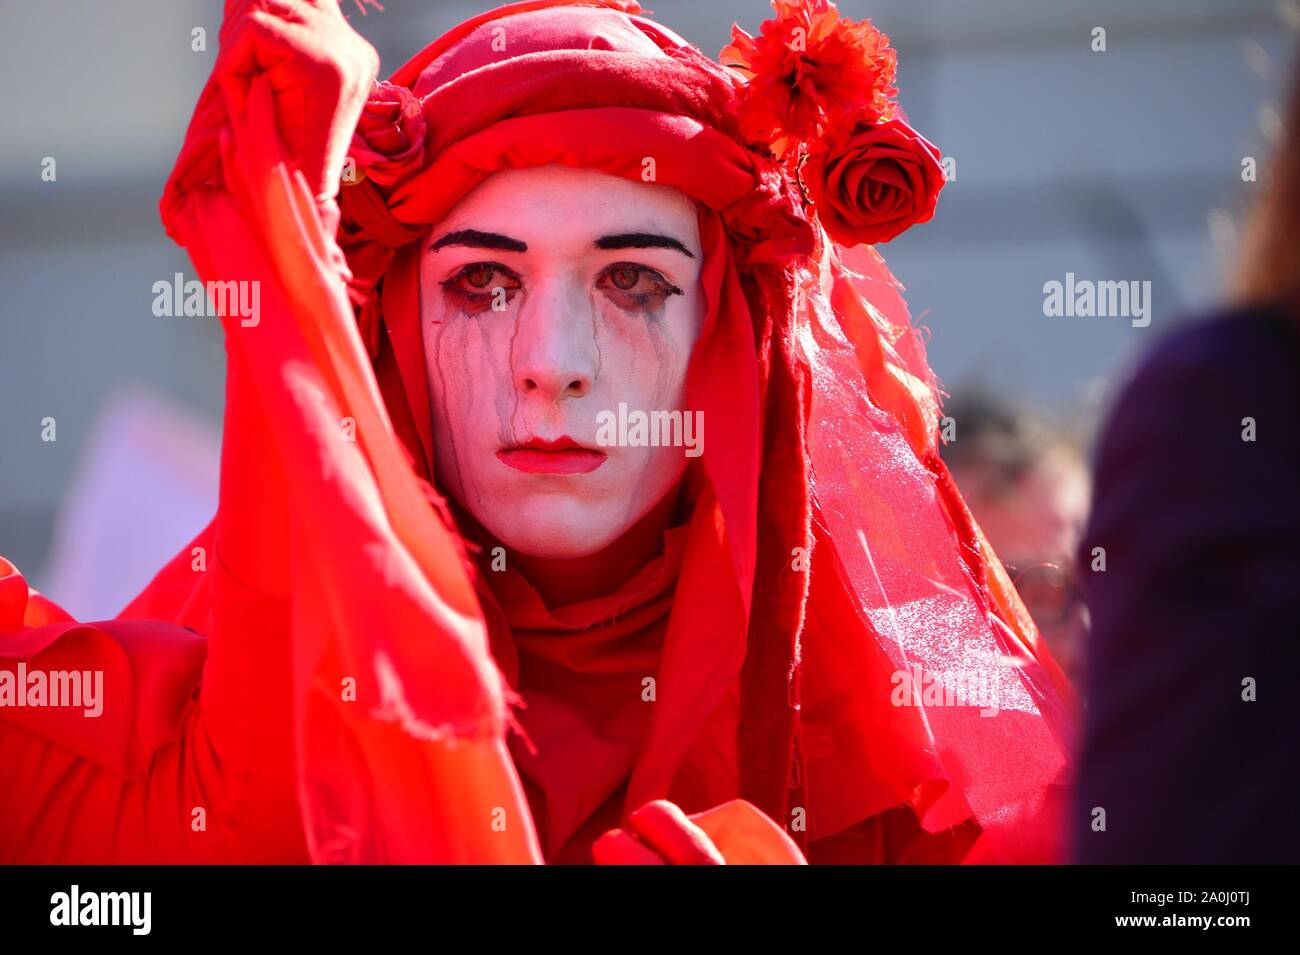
x,y
1200,596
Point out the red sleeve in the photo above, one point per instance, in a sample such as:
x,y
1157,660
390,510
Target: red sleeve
x,y
137,764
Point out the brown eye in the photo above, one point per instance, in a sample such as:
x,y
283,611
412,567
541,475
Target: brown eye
x,y
636,288
480,276
480,286
625,277
636,280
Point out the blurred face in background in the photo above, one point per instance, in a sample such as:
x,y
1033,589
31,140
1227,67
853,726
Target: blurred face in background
x,y
548,296
1034,524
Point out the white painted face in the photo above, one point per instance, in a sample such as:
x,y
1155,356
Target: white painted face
x,y
550,297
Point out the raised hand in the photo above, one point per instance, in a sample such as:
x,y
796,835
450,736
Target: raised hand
x,y
319,69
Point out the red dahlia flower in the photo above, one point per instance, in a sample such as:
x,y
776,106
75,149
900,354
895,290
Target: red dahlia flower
x,y
811,74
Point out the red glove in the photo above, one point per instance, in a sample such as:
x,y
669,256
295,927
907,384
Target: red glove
x,y
734,833
320,71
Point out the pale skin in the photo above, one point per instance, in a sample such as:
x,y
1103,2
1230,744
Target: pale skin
x,y
549,295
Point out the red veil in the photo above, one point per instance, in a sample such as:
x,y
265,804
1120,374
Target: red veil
x,y
827,551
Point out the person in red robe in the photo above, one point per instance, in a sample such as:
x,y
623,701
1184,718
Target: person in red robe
x,y
794,646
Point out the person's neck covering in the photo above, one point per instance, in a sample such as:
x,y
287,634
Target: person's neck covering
x,y
582,671
828,550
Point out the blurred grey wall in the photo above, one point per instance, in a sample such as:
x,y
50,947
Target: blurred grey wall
x,y
1109,165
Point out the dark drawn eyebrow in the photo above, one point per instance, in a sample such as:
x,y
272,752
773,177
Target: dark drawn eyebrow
x,y
642,240
481,240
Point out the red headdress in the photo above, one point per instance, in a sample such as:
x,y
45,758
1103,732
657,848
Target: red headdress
x,y
829,551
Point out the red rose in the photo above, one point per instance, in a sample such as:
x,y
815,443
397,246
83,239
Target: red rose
x,y
389,140
875,184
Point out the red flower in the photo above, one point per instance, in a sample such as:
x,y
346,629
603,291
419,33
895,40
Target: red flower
x,y
875,184
389,139
811,74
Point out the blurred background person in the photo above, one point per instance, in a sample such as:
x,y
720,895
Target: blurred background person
x,y
1028,487
1190,746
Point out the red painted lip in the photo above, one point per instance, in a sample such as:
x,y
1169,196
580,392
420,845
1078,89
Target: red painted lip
x,y
560,455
